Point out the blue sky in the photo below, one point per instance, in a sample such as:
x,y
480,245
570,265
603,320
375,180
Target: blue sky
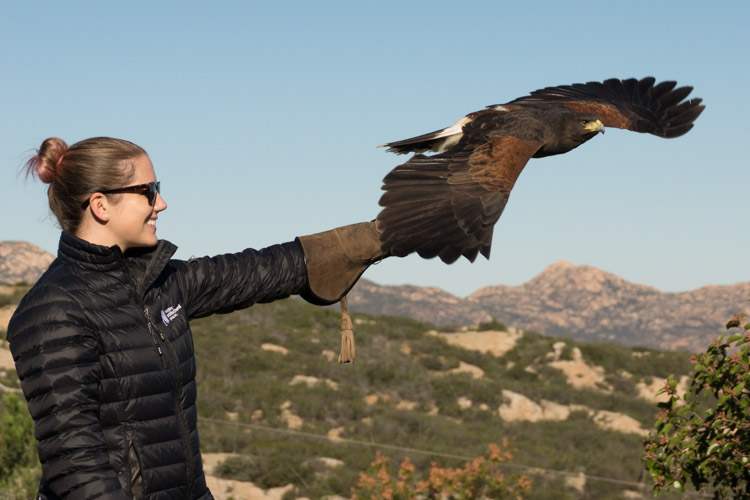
x,y
262,118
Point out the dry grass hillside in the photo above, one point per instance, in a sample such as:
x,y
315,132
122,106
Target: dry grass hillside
x,y
279,418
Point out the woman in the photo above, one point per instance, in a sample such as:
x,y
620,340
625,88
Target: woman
x,y
102,343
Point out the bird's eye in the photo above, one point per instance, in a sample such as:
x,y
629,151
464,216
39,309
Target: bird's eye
x,y
584,122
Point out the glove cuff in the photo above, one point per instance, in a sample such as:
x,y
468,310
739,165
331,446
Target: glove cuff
x,y
337,258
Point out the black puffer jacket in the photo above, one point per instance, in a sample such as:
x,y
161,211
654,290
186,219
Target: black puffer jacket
x,y
105,356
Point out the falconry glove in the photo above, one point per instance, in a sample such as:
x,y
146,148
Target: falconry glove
x,y
335,261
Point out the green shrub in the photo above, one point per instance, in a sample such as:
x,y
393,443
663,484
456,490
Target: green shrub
x,y
641,361
270,467
703,437
19,464
15,296
440,363
493,325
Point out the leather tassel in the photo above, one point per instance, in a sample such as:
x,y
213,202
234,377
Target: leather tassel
x,y
347,354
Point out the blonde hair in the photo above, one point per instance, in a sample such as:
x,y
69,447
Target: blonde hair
x,y
76,172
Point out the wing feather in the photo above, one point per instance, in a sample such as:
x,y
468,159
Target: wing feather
x,y
446,205
630,104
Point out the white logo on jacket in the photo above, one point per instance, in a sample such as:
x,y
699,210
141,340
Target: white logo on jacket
x,y
169,314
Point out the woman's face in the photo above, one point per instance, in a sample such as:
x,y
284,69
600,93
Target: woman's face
x,y
132,221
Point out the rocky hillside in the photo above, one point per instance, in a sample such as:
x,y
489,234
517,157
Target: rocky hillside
x,y
572,301
22,262
565,405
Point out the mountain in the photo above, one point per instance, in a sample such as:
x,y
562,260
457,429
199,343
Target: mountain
x,y
22,262
571,301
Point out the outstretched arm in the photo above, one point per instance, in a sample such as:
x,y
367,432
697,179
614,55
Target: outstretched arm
x,y
225,283
321,267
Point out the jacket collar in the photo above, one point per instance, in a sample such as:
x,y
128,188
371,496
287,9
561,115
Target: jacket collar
x,y
145,264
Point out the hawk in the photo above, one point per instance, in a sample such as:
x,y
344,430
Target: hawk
x,y
446,205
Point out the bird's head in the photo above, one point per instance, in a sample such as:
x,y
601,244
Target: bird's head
x,y
580,127
566,130
591,125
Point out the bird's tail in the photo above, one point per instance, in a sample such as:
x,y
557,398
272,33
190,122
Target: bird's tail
x,y
438,141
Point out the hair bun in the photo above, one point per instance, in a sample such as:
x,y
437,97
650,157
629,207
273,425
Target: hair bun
x,y
44,172
48,159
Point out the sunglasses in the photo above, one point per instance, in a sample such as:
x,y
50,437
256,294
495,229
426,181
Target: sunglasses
x,y
149,190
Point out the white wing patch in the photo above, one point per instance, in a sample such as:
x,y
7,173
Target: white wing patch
x,y
456,128
452,135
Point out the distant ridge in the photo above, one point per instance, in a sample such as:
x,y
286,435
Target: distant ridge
x,y
580,302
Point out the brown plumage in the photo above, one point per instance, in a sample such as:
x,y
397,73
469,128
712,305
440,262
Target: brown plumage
x,y
447,204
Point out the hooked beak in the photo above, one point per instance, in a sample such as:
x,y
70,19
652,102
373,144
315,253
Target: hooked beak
x,y
595,126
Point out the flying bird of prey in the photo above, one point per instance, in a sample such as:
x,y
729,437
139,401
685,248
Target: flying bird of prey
x,y
447,204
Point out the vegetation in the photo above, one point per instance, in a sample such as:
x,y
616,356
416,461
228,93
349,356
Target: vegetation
x,y
400,395
19,465
494,324
703,437
245,393
20,470
481,478
14,295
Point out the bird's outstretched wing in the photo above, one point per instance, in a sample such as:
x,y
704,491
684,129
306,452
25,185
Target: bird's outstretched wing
x,y
630,104
446,205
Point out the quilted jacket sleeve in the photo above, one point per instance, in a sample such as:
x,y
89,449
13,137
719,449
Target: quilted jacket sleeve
x,y
57,361
225,283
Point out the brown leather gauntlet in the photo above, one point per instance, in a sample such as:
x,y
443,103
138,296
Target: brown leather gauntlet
x,y
337,258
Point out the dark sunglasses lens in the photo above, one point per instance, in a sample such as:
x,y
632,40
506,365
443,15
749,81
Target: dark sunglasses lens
x,y
153,189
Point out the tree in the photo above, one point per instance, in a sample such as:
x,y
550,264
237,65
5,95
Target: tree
x,y
494,324
479,479
703,437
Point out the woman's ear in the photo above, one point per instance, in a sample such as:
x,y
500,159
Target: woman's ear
x,y
99,207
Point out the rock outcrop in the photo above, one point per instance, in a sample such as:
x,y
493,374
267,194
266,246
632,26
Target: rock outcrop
x,y
22,262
